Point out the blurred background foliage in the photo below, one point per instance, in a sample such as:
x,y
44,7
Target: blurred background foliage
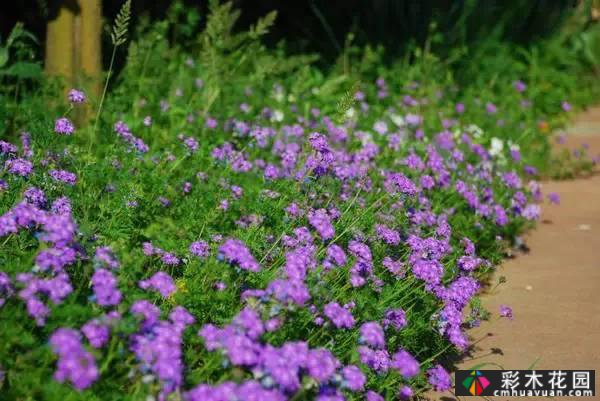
x,y
482,46
322,26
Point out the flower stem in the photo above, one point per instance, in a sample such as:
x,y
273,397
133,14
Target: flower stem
x,y
110,68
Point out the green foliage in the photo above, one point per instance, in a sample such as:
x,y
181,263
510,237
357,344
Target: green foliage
x,y
14,54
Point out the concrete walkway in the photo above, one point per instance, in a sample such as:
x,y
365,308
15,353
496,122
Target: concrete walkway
x,y
554,289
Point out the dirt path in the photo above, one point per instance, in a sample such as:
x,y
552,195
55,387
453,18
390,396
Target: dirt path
x,y
554,290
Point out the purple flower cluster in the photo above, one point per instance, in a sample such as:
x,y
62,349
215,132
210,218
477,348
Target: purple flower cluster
x,y
161,282
405,363
48,277
76,96
282,367
246,391
64,126
158,346
439,378
75,364
106,291
321,221
235,252
371,333
395,318
387,235
104,257
96,333
200,249
63,176
340,317
124,132
20,167
167,258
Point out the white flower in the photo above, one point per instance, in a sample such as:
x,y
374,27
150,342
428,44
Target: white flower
x,y
277,116
513,146
350,113
278,95
398,120
496,147
475,130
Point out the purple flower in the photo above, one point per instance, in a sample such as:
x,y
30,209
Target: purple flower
x,y
105,288
566,106
96,333
75,364
169,259
520,86
469,263
491,108
335,257
397,182
63,176
405,393
235,252
7,147
249,321
430,271
64,126
161,282
339,316
158,348
371,334
439,379
61,206
76,96
35,196
318,142
124,132
380,127
395,318
321,221
553,197
191,144
147,310
405,363
396,267
387,235
413,120
200,249
378,360
105,257
531,212
292,290
19,167
321,365
506,311
354,378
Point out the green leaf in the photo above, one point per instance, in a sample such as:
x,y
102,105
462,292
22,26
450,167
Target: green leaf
x,y
24,70
3,56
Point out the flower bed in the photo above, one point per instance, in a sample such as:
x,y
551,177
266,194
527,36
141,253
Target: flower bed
x,y
220,241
